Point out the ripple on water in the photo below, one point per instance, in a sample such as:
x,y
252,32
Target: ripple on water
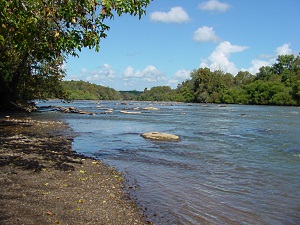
x,y
228,168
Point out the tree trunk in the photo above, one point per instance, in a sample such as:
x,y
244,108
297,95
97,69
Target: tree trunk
x,y
14,91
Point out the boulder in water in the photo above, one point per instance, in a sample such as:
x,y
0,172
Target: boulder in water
x,y
158,136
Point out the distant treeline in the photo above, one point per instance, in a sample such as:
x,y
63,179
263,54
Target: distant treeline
x,y
82,90
278,84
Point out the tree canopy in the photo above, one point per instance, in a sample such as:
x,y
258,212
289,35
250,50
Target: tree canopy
x,y
278,84
272,85
36,37
82,90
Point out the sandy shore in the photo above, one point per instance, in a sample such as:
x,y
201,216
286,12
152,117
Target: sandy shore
x,y
42,181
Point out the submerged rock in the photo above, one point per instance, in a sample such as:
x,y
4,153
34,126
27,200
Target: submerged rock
x,y
68,110
129,112
109,111
158,136
150,108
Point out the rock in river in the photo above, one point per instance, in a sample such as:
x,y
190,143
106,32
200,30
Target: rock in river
x,y
158,136
150,108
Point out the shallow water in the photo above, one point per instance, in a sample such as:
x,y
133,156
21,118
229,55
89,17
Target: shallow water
x,y
235,164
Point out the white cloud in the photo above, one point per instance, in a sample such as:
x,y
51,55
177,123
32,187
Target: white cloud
x,y
205,34
219,58
149,74
173,82
256,64
214,5
129,72
179,76
284,50
139,79
105,72
269,60
182,74
175,15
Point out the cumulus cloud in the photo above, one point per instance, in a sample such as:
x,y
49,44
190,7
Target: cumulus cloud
x,y
268,60
139,79
175,15
129,72
105,72
182,74
219,59
256,64
214,5
284,50
205,34
179,76
149,74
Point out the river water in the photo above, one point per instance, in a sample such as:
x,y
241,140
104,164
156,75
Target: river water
x,y
234,164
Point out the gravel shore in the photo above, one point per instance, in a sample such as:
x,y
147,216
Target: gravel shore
x,y
42,181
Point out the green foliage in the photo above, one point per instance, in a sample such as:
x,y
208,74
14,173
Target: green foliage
x,y
81,90
159,93
243,78
36,37
278,84
209,86
185,92
62,25
130,95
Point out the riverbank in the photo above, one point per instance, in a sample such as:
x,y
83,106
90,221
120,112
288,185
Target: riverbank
x,y
43,181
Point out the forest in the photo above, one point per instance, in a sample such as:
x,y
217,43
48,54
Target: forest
x,y
278,84
83,90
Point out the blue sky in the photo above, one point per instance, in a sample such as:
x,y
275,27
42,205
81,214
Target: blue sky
x,y
178,36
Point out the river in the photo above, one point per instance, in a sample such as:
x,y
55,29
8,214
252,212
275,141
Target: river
x,y
234,164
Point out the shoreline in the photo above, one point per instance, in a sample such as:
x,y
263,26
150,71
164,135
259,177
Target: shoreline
x,y
43,181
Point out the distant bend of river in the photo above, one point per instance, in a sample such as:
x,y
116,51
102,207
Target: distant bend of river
x,y
235,164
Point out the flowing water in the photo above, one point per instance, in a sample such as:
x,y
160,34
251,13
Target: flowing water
x,y
234,164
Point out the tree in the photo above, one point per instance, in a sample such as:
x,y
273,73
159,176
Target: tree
x,y
243,78
209,86
158,93
283,62
265,73
86,91
36,33
296,92
288,68
185,92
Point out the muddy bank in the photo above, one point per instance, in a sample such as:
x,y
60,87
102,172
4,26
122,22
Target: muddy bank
x,y
43,181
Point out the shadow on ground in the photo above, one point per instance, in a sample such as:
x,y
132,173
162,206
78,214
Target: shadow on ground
x,y
34,145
